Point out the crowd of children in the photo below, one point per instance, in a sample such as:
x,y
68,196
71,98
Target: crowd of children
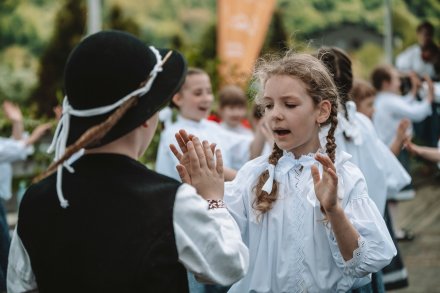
x,y
302,198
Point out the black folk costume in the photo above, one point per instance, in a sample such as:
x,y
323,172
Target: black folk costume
x,y
104,222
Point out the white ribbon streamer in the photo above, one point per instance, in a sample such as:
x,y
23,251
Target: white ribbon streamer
x,y
62,131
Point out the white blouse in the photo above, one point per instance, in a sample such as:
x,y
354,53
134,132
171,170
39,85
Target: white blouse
x,y
235,148
291,248
384,174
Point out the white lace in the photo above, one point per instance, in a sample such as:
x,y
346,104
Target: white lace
x,y
358,257
62,131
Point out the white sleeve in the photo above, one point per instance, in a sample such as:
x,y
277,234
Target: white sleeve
x,y
375,246
20,277
208,241
12,150
165,161
415,111
404,60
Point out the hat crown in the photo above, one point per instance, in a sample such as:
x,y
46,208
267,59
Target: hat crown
x,y
105,67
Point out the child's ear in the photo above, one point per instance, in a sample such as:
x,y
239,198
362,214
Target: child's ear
x,y
177,98
324,108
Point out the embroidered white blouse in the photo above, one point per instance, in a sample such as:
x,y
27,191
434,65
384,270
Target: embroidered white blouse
x,y
235,148
291,249
384,174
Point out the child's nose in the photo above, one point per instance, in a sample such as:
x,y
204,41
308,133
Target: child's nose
x,y
208,97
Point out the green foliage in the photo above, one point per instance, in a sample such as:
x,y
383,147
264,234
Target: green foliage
x,y
70,27
118,21
277,37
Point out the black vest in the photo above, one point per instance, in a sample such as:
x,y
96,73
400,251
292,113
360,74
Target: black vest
x,y
116,235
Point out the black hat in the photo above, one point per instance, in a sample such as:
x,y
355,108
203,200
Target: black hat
x,y
109,65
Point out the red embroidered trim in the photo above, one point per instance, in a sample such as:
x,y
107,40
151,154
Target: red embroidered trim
x,y
215,204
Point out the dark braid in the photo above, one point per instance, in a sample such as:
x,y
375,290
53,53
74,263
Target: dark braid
x,y
90,137
339,66
263,201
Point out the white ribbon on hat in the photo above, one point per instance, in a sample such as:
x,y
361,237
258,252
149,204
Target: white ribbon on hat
x,y
284,165
62,131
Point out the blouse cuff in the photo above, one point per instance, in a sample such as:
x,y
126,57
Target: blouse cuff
x,y
358,257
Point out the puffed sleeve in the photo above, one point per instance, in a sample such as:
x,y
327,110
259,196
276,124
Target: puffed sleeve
x,y
208,241
12,150
375,246
20,277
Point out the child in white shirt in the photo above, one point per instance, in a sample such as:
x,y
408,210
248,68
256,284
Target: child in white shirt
x,y
194,102
306,217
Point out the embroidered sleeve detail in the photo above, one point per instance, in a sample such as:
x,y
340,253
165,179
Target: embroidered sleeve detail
x,y
358,257
215,204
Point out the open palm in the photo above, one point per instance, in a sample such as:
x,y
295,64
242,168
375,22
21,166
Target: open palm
x,y
326,188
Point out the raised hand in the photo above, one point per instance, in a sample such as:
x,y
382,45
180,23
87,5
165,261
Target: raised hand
x,y
12,111
203,171
326,188
182,138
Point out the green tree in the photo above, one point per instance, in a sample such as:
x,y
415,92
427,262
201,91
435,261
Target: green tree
x,y
277,37
70,27
118,21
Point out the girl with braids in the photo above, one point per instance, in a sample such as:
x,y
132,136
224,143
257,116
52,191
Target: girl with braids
x,y
356,135
105,222
303,211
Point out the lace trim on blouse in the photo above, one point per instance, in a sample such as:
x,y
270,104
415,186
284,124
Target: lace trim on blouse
x,y
359,255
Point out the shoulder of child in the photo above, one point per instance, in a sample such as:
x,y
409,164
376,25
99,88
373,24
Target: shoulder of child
x,y
353,179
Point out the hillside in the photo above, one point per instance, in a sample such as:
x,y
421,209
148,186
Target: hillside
x,y
27,26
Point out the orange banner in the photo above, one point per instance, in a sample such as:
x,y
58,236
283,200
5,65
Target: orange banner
x,y
241,30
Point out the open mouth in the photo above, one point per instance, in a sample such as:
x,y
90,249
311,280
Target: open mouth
x,y
281,132
203,109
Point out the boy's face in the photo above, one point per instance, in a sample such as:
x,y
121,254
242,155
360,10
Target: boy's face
x,y
366,106
195,98
233,115
394,84
424,37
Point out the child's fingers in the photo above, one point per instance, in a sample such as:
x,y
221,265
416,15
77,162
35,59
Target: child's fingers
x,y
181,142
176,153
315,174
200,153
193,158
325,161
213,145
219,159
185,135
183,173
209,155
333,175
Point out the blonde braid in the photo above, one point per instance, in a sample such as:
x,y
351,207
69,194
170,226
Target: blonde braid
x,y
331,141
263,201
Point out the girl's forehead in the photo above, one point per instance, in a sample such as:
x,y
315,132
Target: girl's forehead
x,y
197,79
284,85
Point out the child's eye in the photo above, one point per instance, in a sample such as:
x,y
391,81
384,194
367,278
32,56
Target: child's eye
x,y
290,106
268,106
